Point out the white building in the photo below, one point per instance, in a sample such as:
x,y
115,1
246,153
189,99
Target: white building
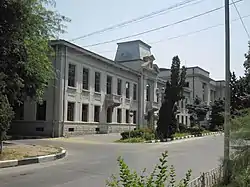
x,y
94,94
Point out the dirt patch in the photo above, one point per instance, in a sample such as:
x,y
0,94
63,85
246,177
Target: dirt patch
x,y
24,151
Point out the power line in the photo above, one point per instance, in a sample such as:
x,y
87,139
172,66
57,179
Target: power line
x,y
197,31
186,34
177,6
244,26
159,28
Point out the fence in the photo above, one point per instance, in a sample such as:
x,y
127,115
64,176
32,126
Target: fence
x,y
208,179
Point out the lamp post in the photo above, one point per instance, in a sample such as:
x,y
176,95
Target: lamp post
x,y
226,167
131,114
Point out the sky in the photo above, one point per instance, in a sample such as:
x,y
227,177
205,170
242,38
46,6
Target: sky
x,y
205,49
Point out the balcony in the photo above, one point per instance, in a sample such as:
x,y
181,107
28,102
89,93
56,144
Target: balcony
x,y
156,105
151,106
97,96
85,94
113,100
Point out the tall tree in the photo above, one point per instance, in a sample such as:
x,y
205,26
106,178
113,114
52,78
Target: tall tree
x,y
247,70
216,116
25,29
197,111
166,125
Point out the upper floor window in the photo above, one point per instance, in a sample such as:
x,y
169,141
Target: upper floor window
x,y
134,92
85,79
148,92
97,81
127,90
71,75
109,85
119,87
157,95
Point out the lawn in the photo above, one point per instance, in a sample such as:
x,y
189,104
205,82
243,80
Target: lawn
x,y
11,152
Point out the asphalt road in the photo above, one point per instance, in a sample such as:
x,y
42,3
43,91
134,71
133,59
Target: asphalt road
x,y
90,161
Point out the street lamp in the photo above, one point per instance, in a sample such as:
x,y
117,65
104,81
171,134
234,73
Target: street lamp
x,y
226,166
131,114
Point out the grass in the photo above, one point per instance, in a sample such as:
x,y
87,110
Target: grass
x,y
131,140
25,151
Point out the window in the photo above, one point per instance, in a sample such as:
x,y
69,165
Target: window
x,y
85,79
134,92
148,92
157,95
85,112
186,84
19,112
182,119
182,104
186,120
97,82
119,115
119,87
134,117
96,113
109,115
127,116
41,111
178,119
71,111
127,90
109,85
71,75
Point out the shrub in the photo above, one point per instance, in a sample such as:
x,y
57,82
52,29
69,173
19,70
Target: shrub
x,y
131,140
183,128
195,130
161,175
148,134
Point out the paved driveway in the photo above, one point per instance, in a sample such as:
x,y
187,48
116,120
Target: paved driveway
x,y
92,159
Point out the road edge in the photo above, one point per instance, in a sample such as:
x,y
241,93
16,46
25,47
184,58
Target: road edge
x,y
186,137
33,160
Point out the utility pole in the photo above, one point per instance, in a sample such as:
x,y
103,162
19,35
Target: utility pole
x,y
226,165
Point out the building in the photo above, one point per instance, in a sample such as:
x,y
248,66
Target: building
x,y
93,94
198,84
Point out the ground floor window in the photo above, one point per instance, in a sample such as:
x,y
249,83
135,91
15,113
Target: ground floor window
x,y
19,111
134,117
96,113
70,111
41,111
85,112
119,115
109,115
127,116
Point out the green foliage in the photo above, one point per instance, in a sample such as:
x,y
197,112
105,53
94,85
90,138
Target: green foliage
x,y
167,123
25,62
131,140
197,111
240,137
217,117
143,133
161,176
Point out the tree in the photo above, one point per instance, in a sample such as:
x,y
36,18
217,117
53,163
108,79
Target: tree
x,y
197,111
25,55
247,70
166,125
216,116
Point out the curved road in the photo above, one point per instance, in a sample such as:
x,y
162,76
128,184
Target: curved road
x,y
92,159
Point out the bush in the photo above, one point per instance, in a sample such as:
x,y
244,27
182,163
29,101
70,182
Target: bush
x,y
183,128
161,175
195,130
131,140
147,134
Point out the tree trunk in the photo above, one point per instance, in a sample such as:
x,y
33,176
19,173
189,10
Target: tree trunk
x,y
1,142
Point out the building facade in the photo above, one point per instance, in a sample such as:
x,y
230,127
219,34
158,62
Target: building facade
x,y
93,94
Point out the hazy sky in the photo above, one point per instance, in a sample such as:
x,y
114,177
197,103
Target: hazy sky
x,y
204,49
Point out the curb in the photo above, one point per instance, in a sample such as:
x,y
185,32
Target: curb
x,y
185,137
33,160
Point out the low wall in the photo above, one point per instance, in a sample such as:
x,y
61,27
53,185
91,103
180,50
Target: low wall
x,y
74,128
31,128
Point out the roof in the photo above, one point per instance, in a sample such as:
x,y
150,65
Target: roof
x,y
135,41
92,54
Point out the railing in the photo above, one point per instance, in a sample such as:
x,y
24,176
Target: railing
x,y
208,179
